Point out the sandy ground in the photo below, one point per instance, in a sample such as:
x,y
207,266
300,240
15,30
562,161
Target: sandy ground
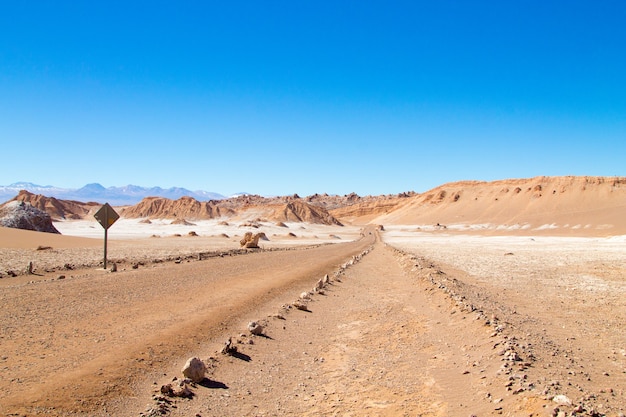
x,y
430,324
131,242
562,296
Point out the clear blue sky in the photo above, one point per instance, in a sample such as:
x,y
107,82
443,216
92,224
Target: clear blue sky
x,y
282,97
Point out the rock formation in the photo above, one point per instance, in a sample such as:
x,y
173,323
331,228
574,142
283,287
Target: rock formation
x,y
21,215
251,240
299,211
184,207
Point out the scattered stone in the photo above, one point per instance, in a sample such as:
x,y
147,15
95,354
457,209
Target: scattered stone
x,y
61,277
192,234
562,400
114,267
255,328
300,305
229,348
194,369
167,390
40,247
183,392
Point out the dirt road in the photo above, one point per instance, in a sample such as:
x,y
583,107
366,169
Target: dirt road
x,y
381,341
71,345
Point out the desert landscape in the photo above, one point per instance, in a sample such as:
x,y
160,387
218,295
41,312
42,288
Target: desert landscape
x,y
471,299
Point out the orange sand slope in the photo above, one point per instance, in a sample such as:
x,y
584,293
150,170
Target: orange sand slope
x,y
555,205
27,239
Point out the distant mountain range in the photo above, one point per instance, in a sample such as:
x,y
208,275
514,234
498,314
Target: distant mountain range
x,y
117,196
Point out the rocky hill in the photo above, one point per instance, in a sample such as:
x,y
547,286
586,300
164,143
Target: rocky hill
x,y
57,209
184,208
299,211
244,207
364,209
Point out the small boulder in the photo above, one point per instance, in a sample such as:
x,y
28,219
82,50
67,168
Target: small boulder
x,y
255,328
194,369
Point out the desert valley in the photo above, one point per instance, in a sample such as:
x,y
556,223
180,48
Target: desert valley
x,y
471,299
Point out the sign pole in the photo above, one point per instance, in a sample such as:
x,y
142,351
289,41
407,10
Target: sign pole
x,y
106,216
105,247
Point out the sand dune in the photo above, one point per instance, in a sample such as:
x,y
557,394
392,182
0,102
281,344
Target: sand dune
x,y
28,239
560,205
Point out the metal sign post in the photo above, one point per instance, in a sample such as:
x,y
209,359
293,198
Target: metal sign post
x,y
106,216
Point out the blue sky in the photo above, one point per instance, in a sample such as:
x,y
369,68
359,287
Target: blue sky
x,y
274,98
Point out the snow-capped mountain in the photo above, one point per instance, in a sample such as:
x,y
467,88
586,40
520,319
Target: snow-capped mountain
x,y
118,196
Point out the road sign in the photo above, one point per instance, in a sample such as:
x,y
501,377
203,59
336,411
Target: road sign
x,y
106,216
